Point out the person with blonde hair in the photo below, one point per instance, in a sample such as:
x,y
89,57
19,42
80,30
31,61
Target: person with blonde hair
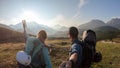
x,y
35,54
38,50
42,36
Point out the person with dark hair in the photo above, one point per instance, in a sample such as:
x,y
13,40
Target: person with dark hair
x,y
75,58
82,53
90,55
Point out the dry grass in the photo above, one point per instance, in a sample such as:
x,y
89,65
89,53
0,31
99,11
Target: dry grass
x,y
7,54
110,52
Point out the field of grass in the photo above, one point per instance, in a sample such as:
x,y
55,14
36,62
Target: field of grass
x,y
110,52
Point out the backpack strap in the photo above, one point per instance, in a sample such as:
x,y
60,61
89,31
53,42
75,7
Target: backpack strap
x,y
36,44
31,53
36,53
81,43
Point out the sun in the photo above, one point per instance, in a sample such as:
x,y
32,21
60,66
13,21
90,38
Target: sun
x,y
29,16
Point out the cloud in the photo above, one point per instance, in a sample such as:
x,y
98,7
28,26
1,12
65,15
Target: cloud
x,y
80,5
4,21
9,21
1,20
59,19
63,21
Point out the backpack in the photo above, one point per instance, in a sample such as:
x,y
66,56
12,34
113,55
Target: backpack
x,y
89,49
36,52
32,53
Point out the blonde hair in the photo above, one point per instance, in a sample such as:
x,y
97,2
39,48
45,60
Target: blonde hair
x,y
42,34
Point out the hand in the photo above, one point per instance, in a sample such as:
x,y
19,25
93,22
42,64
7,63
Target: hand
x,y
68,64
63,64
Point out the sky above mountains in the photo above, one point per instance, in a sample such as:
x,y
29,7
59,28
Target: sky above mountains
x,y
62,12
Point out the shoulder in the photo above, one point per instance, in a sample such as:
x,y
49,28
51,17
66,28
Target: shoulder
x,y
75,45
76,48
33,41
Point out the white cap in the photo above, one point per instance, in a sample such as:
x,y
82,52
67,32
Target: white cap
x,y
23,58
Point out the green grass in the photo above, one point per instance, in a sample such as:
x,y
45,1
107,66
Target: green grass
x,y
110,52
111,55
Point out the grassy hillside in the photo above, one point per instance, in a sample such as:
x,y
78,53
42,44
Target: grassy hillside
x,y
104,32
8,35
110,52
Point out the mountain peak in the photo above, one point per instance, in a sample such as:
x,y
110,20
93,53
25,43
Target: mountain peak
x,y
114,22
92,24
115,19
97,21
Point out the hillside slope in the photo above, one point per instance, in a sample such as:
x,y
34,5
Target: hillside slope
x,y
7,35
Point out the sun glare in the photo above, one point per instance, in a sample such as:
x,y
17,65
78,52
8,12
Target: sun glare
x,y
32,16
29,16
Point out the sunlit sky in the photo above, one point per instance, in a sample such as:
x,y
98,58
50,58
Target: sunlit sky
x,y
62,12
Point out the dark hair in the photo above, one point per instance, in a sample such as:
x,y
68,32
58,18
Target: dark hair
x,y
91,31
73,31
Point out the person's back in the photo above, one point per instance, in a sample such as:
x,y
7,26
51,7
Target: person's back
x,y
33,47
39,53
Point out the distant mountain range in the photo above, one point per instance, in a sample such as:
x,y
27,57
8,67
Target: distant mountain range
x,y
110,30
103,30
115,22
33,28
92,24
99,26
